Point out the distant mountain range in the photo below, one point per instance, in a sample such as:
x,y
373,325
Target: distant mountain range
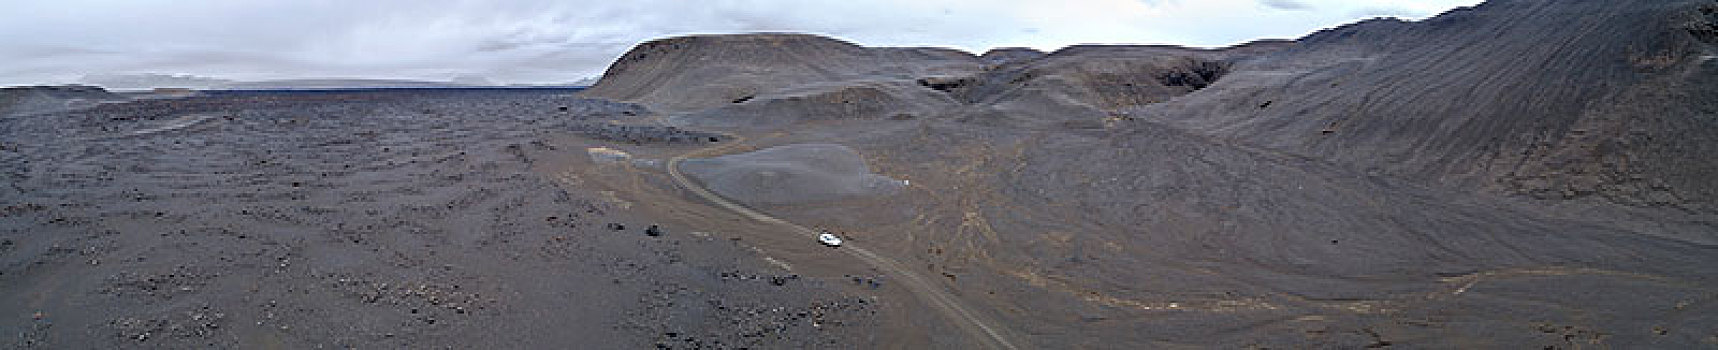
x,y
151,80
336,84
146,81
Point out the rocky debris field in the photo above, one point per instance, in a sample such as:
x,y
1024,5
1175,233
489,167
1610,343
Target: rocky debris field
x,y
396,219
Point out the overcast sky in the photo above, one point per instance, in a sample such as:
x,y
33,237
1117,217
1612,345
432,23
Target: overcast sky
x,y
558,41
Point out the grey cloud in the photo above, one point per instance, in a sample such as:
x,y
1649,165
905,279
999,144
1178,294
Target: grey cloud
x,y
520,41
1290,5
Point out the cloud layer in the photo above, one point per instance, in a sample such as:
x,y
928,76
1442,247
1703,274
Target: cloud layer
x,y
545,41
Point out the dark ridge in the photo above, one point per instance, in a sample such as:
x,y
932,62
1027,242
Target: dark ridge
x,y
1008,55
684,74
24,100
1597,100
944,84
1196,74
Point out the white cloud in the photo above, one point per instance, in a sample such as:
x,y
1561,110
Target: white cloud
x,y
538,41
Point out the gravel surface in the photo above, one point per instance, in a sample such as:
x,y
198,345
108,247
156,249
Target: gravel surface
x,y
399,219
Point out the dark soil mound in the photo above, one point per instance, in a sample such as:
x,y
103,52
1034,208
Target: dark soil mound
x,y
46,99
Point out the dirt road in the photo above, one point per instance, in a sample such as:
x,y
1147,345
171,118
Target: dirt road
x,y
976,325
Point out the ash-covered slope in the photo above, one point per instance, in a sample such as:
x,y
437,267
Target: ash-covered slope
x,y
791,174
1007,55
698,72
1556,99
1449,183
771,80
1090,81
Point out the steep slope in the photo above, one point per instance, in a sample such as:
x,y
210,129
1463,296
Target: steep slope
x,y
1090,81
1554,99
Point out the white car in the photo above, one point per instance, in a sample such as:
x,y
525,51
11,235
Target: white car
x,y
829,239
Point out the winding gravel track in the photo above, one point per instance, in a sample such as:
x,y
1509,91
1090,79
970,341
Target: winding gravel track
x,y
976,325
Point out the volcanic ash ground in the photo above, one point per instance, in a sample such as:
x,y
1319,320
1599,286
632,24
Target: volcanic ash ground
x,y
792,174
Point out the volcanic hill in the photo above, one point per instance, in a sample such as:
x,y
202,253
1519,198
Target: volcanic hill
x,y
1463,180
